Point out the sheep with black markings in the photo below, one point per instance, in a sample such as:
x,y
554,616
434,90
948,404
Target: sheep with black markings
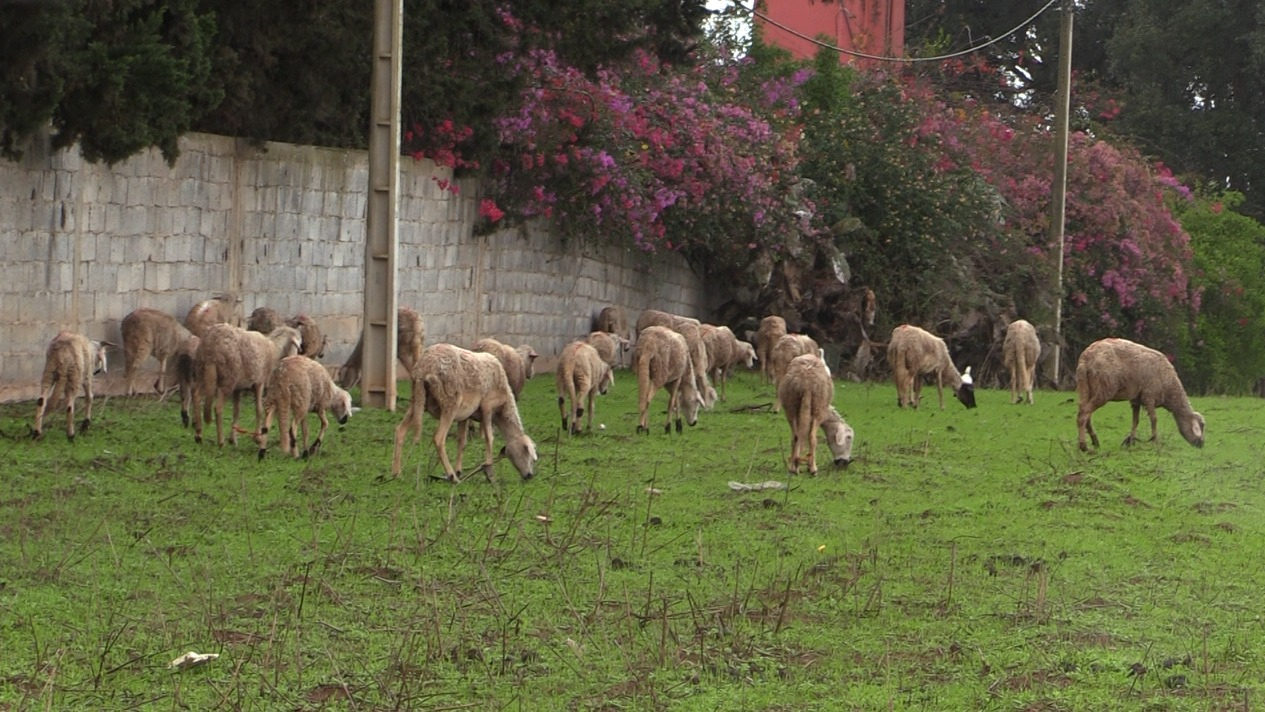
x,y
453,384
221,309
230,360
661,359
69,364
805,392
1121,370
410,341
149,332
580,375
1020,352
771,329
914,352
298,386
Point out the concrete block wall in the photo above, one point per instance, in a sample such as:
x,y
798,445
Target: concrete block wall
x,y
82,244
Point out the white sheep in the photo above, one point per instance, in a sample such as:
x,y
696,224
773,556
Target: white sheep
x,y
313,341
230,360
221,309
1020,351
771,329
612,321
724,351
146,332
690,328
661,359
805,393
785,351
580,375
264,320
913,352
609,346
1121,370
298,386
453,384
519,362
69,364
410,340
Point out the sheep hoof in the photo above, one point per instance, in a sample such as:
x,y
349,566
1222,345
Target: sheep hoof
x,y
70,437
83,425
643,429
667,429
1129,441
184,418
315,446
262,452
37,435
197,439
678,425
455,478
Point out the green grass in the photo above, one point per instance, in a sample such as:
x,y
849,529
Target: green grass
x,y
966,560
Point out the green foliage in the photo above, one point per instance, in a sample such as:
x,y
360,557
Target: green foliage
x,y
965,560
1224,350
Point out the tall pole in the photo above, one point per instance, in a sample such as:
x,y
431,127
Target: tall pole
x,y
1058,201
377,379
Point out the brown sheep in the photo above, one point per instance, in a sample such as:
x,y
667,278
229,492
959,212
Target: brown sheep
x,y
609,346
230,360
913,352
221,309
1020,352
612,321
771,329
519,363
805,392
724,351
410,340
69,364
661,359
581,374
264,320
185,375
690,328
313,341
146,332
298,386
453,384
1120,370
785,351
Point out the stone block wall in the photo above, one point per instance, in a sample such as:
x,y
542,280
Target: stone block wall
x,y
82,244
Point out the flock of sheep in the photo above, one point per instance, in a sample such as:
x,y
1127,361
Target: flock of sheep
x,y
275,359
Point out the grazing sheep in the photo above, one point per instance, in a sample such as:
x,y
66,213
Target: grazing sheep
x,y
609,346
805,392
230,360
654,317
410,340
785,351
724,351
581,374
185,377
688,327
913,352
661,359
298,386
1120,370
453,384
263,320
1020,352
221,309
146,332
313,342
69,364
612,321
771,329
519,363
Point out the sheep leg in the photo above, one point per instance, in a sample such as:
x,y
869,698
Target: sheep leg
x,y
488,455
412,421
161,384
645,393
302,418
70,413
45,395
261,438
286,432
592,397
674,405
916,398
440,438
87,409
320,434
463,432
1084,423
1150,412
1133,432
237,416
812,447
562,411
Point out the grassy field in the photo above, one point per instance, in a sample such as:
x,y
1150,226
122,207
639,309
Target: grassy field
x,y
966,560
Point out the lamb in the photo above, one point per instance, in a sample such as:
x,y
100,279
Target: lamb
x,y
149,331
313,342
724,351
913,352
1020,351
784,351
1117,370
298,386
661,359
410,340
263,320
771,329
519,363
221,309
185,356
454,384
609,346
230,360
69,365
805,393
581,373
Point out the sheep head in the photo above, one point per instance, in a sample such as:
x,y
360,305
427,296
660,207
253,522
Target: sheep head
x,y
966,392
1192,428
839,436
340,403
606,380
522,453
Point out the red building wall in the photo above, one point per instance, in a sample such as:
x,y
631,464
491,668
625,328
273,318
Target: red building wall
x,y
875,27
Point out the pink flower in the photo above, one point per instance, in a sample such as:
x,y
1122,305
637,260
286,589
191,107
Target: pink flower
x,y
488,209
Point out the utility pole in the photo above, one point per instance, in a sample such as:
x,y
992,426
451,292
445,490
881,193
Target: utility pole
x,y
1058,198
377,362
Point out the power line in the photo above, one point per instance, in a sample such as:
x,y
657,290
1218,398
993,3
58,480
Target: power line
x,y
906,60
